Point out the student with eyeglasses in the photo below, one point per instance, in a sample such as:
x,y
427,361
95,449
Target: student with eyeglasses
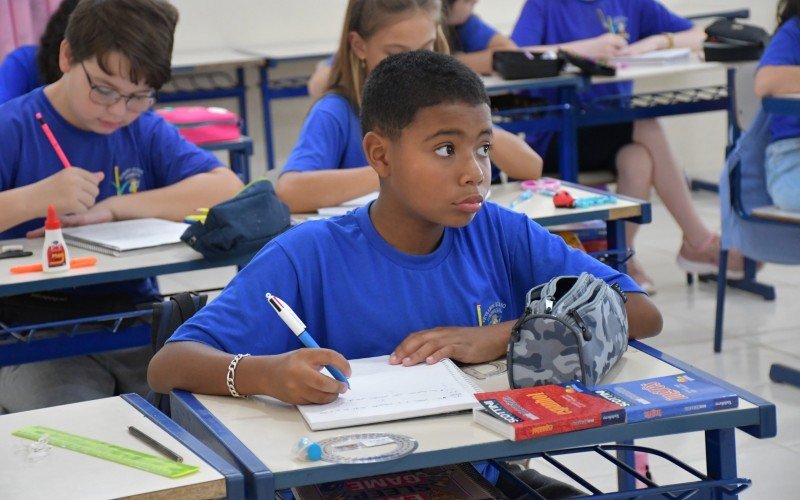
x,y
126,163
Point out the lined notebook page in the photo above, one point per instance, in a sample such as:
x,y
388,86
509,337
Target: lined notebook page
x,y
118,237
380,392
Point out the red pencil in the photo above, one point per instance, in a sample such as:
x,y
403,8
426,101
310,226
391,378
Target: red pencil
x,y
53,141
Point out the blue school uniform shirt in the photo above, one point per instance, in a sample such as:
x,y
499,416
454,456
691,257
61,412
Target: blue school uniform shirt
x,y
474,35
361,297
552,22
19,73
330,138
149,154
784,50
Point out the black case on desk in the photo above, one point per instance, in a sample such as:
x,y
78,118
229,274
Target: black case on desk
x,y
729,40
516,65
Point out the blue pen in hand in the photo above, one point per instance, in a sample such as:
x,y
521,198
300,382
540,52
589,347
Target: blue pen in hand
x,y
299,329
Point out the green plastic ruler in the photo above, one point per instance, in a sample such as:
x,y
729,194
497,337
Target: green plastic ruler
x,y
108,451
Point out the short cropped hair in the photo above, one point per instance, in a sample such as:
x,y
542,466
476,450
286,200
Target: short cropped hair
x,y
402,84
140,30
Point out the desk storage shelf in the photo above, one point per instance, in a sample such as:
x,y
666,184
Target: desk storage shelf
x,y
57,339
627,474
625,108
703,485
532,119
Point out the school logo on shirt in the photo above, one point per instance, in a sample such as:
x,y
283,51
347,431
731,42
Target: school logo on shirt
x,y
127,180
493,314
619,25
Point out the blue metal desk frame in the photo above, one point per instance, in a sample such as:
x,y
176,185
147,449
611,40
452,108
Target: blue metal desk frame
x,y
234,480
719,428
30,348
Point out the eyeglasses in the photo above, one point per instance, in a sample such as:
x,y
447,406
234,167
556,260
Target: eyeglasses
x,y
106,96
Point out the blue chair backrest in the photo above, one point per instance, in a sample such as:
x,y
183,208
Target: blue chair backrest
x,y
743,187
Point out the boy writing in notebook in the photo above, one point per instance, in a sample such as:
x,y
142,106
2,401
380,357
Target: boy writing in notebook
x,y
125,163
400,276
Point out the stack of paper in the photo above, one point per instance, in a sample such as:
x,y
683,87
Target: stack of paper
x,y
654,58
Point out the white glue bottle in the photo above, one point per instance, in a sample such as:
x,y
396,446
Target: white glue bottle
x,y
55,256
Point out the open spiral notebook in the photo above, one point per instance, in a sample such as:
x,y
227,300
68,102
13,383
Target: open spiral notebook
x,y
380,392
126,237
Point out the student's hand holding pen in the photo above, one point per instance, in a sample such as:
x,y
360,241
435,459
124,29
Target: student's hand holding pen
x,y
294,377
600,48
464,344
70,190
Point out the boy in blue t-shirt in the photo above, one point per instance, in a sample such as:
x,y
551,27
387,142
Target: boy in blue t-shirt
x,y
401,276
126,163
779,74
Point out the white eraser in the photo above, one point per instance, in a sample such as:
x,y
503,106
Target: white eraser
x,y
11,248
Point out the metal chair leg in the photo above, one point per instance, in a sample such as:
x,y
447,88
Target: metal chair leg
x,y
721,285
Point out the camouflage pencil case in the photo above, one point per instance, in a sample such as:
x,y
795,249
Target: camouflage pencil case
x,y
574,328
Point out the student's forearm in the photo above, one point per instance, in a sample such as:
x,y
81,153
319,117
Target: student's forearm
x,y
176,201
481,61
644,318
307,191
513,156
777,80
190,366
19,206
691,39
318,82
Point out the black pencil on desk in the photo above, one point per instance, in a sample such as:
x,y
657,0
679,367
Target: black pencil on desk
x,y
155,444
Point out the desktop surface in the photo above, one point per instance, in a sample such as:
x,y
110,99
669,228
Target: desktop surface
x,y
65,473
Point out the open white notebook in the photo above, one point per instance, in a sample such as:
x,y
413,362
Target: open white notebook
x,y
381,392
124,237
656,57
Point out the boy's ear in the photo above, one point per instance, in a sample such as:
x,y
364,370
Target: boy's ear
x,y
376,149
64,56
357,45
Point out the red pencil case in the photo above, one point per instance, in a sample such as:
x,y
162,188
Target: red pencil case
x,y
203,125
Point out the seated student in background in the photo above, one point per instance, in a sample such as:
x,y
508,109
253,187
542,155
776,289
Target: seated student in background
x,y
779,73
29,67
431,235
470,39
115,56
327,165
601,30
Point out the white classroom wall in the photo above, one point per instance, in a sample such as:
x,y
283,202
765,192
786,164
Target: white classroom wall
x,y
698,140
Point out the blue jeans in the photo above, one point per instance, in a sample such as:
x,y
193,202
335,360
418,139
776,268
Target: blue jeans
x,y
783,173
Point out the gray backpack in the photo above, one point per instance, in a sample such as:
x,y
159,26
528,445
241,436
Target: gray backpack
x,y
574,328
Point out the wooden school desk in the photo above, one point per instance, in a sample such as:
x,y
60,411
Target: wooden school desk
x,y
565,115
541,209
258,433
27,346
69,474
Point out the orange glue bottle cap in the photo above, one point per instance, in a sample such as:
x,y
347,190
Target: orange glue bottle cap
x,y
52,221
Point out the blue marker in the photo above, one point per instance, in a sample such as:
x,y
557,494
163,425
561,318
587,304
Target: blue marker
x,y
299,328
